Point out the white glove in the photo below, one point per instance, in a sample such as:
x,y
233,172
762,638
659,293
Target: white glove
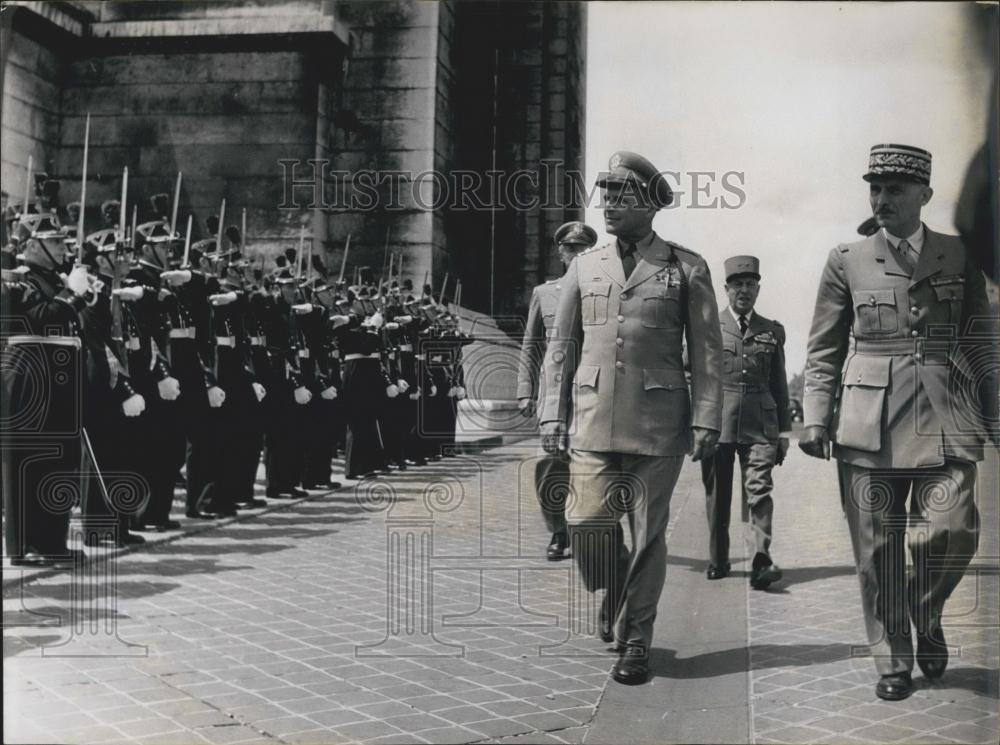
x,y
391,326
303,395
216,396
129,293
339,321
391,391
403,385
403,320
176,276
170,388
460,392
134,405
222,298
302,308
452,391
434,390
329,393
78,281
376,320
259,391
415,396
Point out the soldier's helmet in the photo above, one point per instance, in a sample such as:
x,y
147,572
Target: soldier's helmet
x,y
155,231
39,226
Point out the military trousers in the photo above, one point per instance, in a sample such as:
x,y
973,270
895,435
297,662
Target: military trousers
x,y
604,488
551,488
941,525
757,460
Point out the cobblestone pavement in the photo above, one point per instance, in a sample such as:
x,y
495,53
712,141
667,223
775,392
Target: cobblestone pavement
x,y
419,608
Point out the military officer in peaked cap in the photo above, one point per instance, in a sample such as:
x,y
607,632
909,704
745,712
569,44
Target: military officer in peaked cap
x,y
616,395
551,471
901,319
756,423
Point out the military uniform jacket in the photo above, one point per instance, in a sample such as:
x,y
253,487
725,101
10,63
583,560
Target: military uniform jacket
x,y
613,368
541,321
755,404
909,391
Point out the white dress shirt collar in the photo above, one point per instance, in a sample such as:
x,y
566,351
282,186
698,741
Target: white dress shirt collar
x,y
916,240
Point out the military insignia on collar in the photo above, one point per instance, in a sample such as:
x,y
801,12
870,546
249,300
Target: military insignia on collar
x,y
947,279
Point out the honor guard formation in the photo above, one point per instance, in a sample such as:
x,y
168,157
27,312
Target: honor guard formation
x,y
147,357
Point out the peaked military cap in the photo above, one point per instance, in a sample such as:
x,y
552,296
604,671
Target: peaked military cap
x,y
631,169
899,161
576,233
738,266
102,241
37,225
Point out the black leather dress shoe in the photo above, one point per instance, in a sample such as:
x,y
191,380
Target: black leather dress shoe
x,y
894,687
199,515
168,525
632,667
932,652
252,504
31,559
557,547
130,539
715,572
606,618
763,576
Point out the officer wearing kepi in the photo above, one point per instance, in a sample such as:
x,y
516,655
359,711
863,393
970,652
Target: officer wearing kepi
x,y
614,371
900,328
756,423
551,471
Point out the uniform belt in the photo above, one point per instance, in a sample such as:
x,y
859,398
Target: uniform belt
x,y
356,356
225,341
62,341
187,333
405,347
744,387
893,347
258,341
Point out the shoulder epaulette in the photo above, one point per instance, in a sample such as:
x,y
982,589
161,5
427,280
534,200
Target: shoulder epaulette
x,y
679,247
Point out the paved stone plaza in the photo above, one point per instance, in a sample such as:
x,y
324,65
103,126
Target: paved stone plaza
x,y
419,608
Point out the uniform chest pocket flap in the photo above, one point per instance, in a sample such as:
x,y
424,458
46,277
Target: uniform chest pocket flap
x,y
862,402
586,376
594,298
729,356
950,290
876,311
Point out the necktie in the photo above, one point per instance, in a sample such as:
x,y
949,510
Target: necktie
x,y
628,259
744,325
906,255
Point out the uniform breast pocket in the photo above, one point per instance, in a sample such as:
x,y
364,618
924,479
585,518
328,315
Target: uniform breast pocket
x,y
951,295
876,311
661,309
594,298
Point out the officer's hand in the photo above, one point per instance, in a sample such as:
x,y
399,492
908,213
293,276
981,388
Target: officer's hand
x,y
222,298
176,276
338,321
302,309
303,395
216,396
259,391
329,393
130,294
391,326
704,444
403,320
554,438
78,280
170,388
815,442
782,450
452,391
391,390
134,405
402,385
460,392
527,407
434,391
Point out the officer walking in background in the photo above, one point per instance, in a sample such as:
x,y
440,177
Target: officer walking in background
x,y
913,403
614,370
756,423
551,471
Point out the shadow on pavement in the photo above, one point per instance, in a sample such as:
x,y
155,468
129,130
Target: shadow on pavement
x,y
979,680
792,575
664,663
